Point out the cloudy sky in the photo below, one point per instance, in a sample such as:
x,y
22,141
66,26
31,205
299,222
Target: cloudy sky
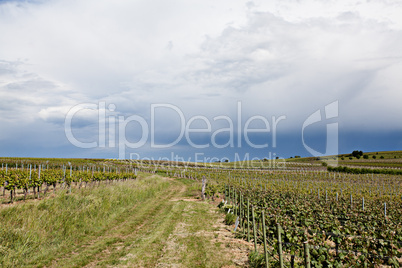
x,y
108,79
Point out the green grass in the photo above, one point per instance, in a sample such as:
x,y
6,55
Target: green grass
x,y
141,223
34,232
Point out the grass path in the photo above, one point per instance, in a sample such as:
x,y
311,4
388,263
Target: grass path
x,y
171,230
168,229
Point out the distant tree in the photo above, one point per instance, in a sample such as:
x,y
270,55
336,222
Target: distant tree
x,y
382,157
374,157
365,156
350,158
277,157
357,153
342,158
297,156
358,156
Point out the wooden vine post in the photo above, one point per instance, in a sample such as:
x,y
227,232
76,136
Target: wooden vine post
x,y
254,229
306,255
204,182
280,246
240,210
248,220
265,240
235,202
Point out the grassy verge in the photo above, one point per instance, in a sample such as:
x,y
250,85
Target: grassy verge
x,y
34,233
145,223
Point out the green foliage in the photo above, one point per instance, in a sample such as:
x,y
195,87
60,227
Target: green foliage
x,y
25,179
364,170
212,189
225,208
357,154
32,231
230,219
221,204
324,219
313,205
256,260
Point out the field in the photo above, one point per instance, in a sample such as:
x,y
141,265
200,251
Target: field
x,y
107,213
148,222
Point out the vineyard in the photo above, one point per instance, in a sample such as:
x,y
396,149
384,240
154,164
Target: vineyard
x,y
331,219
305,217
111,220
35,178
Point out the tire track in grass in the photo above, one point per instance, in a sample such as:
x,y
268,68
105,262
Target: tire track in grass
x,y
117,237
187,233
168,230
147,248
201,239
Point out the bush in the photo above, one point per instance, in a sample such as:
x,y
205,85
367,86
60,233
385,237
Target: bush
x,y
357,153
230,219
382,157
374,157
225,208
365,156
221,204
256,259
342,158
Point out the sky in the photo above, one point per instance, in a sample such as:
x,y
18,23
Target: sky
x,y
199,80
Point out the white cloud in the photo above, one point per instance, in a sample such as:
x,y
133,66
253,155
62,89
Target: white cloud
x,y
306,65
278,57
23,93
